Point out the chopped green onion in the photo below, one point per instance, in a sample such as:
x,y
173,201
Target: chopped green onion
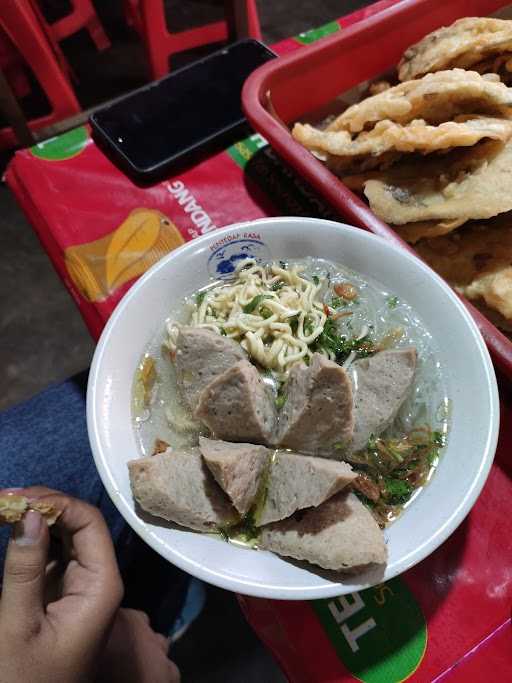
x,y
280,401
439,439
395,453
316,279
277,286
433,456
398,491
255,302
266,312
339,345
223,332
308,325
294,323
393,302
200,298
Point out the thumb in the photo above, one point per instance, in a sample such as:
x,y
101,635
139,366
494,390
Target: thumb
x,y
24,572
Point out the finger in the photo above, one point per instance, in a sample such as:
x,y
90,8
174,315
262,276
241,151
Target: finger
x,y
142,616
91,542
83,523
174,673
93,573
163,642
22,600
30,491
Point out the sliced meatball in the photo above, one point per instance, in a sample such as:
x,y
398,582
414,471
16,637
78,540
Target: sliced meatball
x,y
299,481
201,355
340,534
237,467
273,483
381,384
317,416
177,486
236,406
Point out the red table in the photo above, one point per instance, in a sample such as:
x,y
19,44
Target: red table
x,y
449,617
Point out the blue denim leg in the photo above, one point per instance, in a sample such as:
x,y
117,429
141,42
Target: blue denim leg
x,y
44,441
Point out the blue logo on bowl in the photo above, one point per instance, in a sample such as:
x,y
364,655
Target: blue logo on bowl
x,y
230,250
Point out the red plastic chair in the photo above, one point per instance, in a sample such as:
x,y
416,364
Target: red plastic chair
x,y
161,44
19,21
11,64
82,16
132,14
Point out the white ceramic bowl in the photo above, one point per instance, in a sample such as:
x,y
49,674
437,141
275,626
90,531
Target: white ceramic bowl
x,y
471,382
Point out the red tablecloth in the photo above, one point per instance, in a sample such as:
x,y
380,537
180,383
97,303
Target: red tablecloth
x,y
449,617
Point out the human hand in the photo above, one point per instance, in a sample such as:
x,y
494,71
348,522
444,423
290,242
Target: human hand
x,y
135,653
57,640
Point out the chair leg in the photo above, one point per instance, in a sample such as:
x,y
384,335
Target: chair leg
x,y
243,20
18,80
253,20
12,111
155,36
98,35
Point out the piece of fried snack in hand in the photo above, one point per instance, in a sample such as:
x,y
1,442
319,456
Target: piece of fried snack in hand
x,y
468,183
462,44
344,153
13,507
435,98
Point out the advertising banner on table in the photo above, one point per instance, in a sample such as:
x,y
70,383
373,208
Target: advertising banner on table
x,y
449,617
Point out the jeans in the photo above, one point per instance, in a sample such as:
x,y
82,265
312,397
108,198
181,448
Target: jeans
x,y
44,441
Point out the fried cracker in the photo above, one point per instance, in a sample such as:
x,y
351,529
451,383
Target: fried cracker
x,y
364,164
477,261
500,66
378,86
387,136
436,98
472,183
414,232
494,288
13,507
357,181
462,44
496,318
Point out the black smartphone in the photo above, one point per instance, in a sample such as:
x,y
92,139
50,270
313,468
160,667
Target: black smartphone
x,y
164,122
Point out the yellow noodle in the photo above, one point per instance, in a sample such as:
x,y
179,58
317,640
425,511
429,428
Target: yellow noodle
x,y
270,341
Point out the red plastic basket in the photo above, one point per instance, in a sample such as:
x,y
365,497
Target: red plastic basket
x,y
289,88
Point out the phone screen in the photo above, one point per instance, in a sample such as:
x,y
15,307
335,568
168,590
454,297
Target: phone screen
x,y
183,110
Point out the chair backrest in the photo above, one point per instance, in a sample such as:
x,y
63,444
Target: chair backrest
x,y
161,43
21,24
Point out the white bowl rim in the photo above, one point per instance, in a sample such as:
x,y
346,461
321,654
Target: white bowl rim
x,y
241,586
